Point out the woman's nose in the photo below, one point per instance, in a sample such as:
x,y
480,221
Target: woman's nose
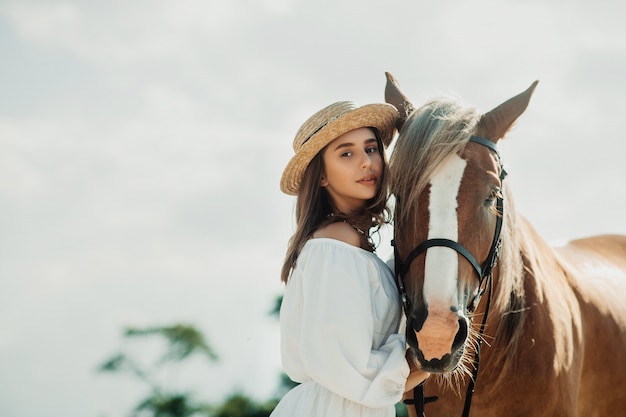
x,y
367,160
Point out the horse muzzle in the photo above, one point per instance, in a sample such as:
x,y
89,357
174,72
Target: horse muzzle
x,y
438,340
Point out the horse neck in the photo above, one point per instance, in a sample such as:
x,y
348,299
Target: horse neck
x,y
520,301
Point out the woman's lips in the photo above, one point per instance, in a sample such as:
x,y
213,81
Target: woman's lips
x,y
368,180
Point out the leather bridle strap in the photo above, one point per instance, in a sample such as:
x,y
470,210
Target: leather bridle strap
x,y
419,400
479,341
424,246
485,142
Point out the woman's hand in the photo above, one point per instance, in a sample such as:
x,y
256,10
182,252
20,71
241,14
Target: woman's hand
x,y
416,376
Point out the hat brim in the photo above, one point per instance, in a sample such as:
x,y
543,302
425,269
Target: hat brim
x,y
380,116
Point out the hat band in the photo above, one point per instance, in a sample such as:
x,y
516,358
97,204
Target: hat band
x,y
332,119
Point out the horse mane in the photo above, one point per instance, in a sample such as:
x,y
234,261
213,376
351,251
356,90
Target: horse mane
x,y
432,133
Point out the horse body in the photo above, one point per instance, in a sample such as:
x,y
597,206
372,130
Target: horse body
x,y
595,269
555,337
570,358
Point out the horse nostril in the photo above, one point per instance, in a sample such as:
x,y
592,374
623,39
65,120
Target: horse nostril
x,y
418,317
461,335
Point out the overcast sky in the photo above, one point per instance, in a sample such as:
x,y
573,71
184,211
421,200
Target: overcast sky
x,y
142,143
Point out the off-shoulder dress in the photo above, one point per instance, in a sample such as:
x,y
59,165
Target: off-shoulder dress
x,y
339,325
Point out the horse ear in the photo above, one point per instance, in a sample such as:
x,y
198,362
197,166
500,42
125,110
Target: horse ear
x,y
496,123
395,97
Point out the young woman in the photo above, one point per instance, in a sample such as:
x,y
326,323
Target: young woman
x,y
341,312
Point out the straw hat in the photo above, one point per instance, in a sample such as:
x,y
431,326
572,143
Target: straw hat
x,y
328,124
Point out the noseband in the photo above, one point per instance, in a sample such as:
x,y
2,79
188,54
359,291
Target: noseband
x,y
483,272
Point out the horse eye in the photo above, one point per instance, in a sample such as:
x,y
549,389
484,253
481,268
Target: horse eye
x,y
493,195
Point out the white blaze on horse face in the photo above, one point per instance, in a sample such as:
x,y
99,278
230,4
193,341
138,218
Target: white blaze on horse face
x,y
440,275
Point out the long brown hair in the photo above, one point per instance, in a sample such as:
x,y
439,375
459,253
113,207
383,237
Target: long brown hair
x,y
314,205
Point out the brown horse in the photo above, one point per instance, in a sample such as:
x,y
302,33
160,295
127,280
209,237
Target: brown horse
x,y
555,332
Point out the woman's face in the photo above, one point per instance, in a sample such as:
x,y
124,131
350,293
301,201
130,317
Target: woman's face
x,y
353,167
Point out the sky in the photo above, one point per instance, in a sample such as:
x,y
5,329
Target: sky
x,y
142,143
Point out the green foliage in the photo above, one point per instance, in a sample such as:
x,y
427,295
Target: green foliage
x,y
401,410
115,363
239,405
285,384
173,405
276,309
182,340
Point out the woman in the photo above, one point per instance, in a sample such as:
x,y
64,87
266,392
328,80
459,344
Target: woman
x,y
340,313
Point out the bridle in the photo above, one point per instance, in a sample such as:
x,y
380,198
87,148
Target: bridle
x,y
483,271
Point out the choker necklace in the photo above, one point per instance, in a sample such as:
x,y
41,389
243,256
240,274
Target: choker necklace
x,y
365,236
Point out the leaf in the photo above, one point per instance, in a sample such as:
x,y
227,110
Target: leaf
x,y
171,405
277,303
183,340
114,364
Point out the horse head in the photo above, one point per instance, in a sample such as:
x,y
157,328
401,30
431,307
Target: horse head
x,y
448,183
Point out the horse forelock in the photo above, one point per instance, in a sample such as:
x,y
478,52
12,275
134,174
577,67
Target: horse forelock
x,y
430,134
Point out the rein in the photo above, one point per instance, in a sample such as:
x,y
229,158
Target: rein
x,y
484,272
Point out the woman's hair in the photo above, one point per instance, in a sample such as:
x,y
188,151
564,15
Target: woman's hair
x,y
314,205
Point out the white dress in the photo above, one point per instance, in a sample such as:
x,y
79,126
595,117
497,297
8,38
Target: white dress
x,y
339,334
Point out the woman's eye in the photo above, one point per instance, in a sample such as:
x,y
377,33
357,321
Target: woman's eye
x,y
371,150
346,154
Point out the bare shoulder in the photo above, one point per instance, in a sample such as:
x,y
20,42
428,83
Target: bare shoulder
x,y
339,231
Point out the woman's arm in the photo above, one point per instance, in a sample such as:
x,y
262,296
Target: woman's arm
x,y
337,324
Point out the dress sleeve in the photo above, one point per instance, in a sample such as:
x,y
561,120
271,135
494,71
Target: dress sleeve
x,y
337,331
